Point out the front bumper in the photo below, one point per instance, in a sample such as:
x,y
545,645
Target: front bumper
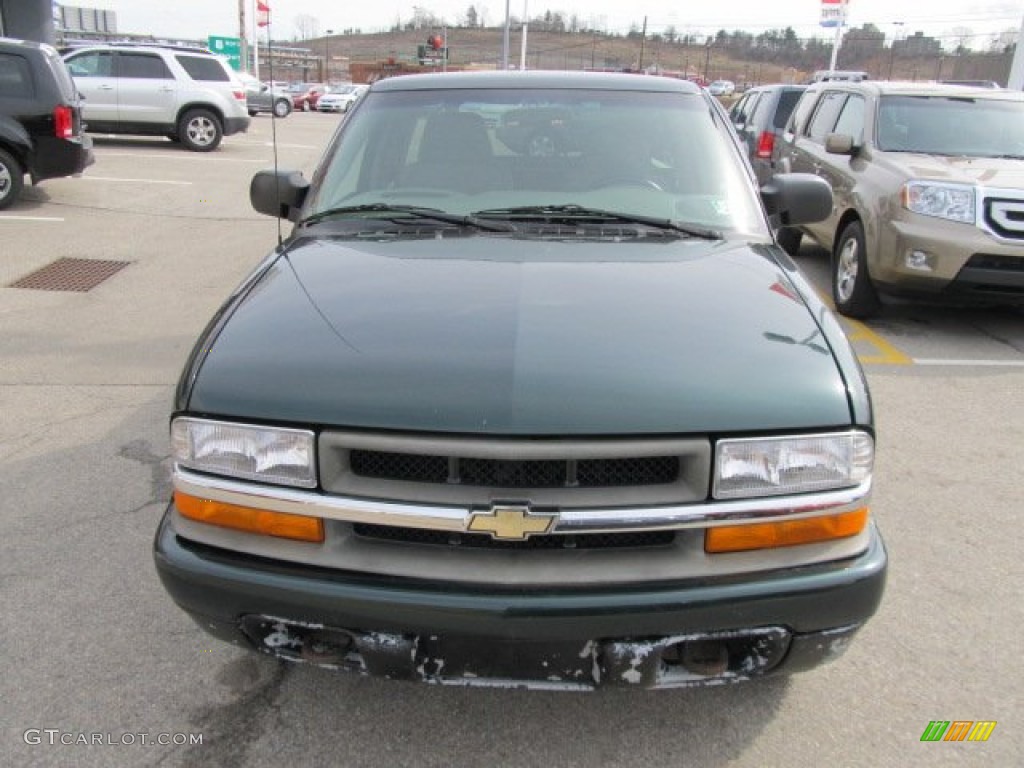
x,y
964,261
780,621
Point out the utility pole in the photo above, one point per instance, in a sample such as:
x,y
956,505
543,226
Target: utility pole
x,y
522,49
504,48
242,36
1016,81
643,39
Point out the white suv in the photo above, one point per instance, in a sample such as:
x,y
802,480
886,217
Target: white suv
x,y
188,95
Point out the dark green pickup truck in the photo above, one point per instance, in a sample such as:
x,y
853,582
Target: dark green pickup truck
x,y
559,414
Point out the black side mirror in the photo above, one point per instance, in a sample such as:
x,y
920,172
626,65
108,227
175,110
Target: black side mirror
x,y
797,198
278,193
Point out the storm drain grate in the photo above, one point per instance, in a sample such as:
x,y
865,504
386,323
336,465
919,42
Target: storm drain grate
x,y
70,275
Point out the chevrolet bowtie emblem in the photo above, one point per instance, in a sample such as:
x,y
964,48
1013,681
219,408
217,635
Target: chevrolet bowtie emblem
x,y
511,523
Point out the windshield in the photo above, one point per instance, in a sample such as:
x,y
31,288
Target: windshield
x,y
959,126
659,155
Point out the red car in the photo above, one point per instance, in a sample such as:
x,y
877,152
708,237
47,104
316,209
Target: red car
x,y
308,98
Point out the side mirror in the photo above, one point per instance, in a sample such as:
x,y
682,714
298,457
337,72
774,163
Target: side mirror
x,y
278,193
797,198
839,144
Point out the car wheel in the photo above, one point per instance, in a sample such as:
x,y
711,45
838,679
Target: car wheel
x,y
282,108
12,179
852,290
253,112
200,130
789,240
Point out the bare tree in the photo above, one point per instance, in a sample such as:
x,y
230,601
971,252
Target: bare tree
x,y
306,26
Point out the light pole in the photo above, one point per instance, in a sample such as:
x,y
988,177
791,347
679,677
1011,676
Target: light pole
x,y
707,58
892,45
504,47
327,57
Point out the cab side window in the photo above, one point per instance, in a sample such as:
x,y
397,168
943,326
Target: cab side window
x,y
15,77
98,64
825,116
142,66
851,119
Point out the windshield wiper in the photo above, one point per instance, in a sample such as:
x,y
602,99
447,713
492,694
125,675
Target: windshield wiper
x,y
572,211
412,211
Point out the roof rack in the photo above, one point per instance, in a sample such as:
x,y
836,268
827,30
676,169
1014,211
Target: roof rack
x,y
137,44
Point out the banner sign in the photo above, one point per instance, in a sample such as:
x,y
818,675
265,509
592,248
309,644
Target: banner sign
x,y
833,13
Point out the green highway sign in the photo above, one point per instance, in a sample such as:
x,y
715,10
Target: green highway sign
x,y
227,46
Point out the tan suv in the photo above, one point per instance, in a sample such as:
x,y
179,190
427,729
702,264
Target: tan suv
x,y
928,184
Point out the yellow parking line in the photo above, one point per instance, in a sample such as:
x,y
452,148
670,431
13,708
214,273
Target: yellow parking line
x,y
887,353
857,331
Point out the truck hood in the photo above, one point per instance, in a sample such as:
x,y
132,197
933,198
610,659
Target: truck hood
x,y
985,171
474,334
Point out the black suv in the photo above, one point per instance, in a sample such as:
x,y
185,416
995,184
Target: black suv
x,y
759,118
41,131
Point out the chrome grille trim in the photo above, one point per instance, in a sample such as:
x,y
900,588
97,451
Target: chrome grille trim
x,y
449,518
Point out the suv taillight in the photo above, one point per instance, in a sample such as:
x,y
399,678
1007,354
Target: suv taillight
x,y
765,144
239,95
63,122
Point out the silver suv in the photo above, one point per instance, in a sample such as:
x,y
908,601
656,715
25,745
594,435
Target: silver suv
x,y
187,95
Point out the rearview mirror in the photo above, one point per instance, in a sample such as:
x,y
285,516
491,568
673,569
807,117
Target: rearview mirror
x,y
797,198
278,193
839,144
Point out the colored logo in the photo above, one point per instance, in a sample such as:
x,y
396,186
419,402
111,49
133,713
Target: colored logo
x,y
958,730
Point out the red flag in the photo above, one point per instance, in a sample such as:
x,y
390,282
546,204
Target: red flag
x,y
262,14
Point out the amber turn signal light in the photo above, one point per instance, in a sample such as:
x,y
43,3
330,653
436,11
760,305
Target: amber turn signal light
x,y
740,538
262,521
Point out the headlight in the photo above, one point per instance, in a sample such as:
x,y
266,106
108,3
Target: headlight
x,y
946,201
265,454
779,465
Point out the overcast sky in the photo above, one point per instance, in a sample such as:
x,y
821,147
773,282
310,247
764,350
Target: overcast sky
x,y
200,18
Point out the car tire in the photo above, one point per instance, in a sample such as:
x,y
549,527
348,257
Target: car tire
x,y
282,108
12,179
253,112
200,130
789,240
852,290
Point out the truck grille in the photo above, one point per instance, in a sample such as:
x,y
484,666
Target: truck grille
x,y
1005,216
543,472
497,473
422,536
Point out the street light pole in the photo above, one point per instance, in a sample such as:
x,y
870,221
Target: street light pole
x,y
504,48
327,57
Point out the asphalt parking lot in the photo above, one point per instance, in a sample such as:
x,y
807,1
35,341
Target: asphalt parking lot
x,y
95,648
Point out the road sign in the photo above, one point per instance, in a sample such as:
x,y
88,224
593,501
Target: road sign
x,y
227,46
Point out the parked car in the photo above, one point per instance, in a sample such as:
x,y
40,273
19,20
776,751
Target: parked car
x,y
261,97
929,189
41,130
307,98
188,95
340,99
565,421
722,88
759,117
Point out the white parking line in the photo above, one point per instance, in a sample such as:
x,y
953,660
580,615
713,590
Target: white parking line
x,y
177,157
139,181
30,218
970,363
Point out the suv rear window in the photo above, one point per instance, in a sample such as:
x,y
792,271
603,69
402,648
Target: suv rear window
x,y
787,100
205,68
15,77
